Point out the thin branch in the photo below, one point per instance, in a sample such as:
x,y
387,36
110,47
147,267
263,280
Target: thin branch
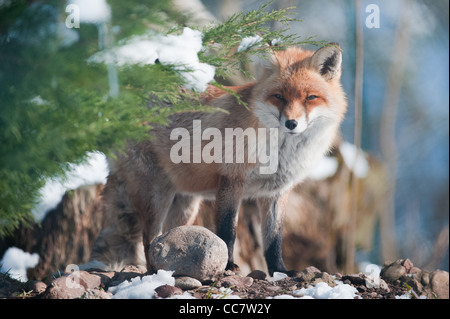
x,y
388,144
350,261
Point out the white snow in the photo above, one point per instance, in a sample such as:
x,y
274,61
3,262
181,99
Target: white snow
x,y
224,293
248,42
184,295
325,168
142,288
92,11
38,100
408,295
323,291
277,276
275,41
92,172
355,159
15,262
282,297
180,51
320,291
404,296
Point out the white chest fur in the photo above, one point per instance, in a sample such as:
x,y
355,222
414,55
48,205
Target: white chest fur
x,y
297,154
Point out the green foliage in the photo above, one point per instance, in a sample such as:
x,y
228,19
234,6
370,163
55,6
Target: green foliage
x,y
224,39
55,106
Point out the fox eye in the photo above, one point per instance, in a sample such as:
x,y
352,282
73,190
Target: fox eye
x,y
279,96
311,97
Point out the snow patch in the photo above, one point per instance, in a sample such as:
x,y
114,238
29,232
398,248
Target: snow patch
x,y
94,171
180,51
184,295
249,42
355,159
93,11
404,296
323,291
142,288
277,276
282,297
369,269
225,293
15,262
325,168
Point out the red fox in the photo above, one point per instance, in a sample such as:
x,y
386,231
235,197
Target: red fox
x,y
152,188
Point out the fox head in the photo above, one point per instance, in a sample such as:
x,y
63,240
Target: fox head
x,y
299,88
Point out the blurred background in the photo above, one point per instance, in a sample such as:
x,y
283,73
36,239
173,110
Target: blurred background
x,y
395,73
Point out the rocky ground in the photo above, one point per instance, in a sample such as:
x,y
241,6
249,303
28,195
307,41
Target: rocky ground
x,y
399,278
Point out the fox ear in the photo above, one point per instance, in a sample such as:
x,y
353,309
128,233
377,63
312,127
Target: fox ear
x,y
328,61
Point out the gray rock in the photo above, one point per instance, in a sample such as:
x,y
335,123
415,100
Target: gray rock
x,y
384,285
36,285
429,284
308,273
425,278
310,269
324,277
375,281
134,269
187,283
87,280
96,294
192,251
354,279
105,276
71,286
257,274
66,287
393,271
235,281
439,283
167,291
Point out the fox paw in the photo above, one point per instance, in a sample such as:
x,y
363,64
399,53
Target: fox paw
x,y
232,267
290,273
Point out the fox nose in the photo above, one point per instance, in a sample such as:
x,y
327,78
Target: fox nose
x,y
291,124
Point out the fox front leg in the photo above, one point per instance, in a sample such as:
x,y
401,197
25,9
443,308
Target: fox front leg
x,y
272,212
228,200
